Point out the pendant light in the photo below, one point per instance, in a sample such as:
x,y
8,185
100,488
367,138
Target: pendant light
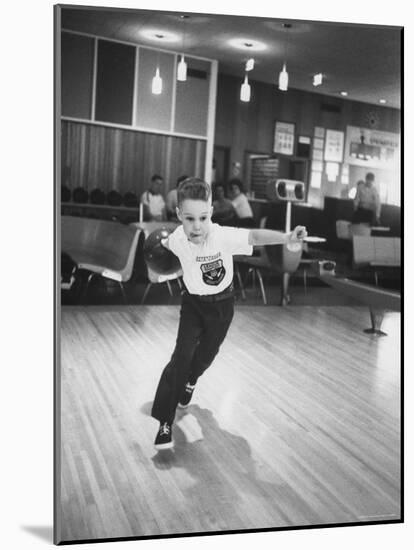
x,y
182,70
283,79
182,65
283,75
317,79
249,64
156,85
245,90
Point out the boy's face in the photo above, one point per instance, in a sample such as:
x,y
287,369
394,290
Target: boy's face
x,y
195,215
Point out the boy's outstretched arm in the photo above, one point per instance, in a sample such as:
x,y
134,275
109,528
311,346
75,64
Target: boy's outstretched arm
x,y
262,237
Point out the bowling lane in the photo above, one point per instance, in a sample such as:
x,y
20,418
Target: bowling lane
x,y
296,423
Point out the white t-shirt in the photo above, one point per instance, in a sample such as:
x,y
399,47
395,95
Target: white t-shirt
x,y
242,206
155,203
208,267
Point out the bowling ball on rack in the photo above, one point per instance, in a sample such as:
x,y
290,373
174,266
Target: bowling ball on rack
x,y
158,257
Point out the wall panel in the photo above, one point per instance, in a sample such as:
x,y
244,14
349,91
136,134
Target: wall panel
x,y
114,82
154,111
112,158
191,108
76,72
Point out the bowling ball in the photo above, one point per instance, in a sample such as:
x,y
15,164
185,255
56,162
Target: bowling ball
x,y
158,258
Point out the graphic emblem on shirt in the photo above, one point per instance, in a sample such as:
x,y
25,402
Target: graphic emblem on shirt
x,y
213,272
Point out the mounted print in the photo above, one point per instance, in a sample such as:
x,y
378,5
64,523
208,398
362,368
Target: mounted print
x,y
284,139
190,400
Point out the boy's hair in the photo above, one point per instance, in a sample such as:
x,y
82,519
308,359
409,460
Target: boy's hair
x,y
370,176
180,179
194,189
156,177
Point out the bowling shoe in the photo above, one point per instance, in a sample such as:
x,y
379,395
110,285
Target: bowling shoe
x,y
164,437
186,396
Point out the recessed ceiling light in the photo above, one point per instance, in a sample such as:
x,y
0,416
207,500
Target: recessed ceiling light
x,y
383,101
246,44
159,35
344,93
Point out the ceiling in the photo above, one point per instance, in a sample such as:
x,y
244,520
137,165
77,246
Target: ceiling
x,y
363,60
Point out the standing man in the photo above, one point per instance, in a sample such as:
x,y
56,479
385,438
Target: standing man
x,y
367,202
153,201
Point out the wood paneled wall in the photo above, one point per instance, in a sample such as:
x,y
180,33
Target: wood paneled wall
x,y
250,126
112,158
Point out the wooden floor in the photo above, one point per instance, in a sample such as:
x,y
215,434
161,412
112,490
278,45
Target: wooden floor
x,y
296,423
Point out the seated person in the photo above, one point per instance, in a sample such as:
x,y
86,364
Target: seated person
x,y
241,204
223,209
153,201
172,201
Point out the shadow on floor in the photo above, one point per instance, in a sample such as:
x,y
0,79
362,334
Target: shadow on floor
x,y
43,532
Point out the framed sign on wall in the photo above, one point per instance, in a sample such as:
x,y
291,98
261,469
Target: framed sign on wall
x,y
334,146
284,138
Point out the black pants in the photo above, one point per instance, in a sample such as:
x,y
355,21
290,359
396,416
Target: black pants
x,y
363,215
202,329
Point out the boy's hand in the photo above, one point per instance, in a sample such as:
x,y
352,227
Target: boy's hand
x,y
298,234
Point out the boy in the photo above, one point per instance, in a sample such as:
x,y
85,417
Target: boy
x,y
205,250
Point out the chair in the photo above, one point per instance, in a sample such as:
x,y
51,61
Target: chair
x,y
256,264
121,276
153,277
343,230
156,278
100,247
68,269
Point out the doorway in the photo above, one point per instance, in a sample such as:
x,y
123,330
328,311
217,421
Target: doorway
x,y
221,164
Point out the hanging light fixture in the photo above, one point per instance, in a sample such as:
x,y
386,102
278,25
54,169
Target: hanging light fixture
x,y
156,86
182,65
283,75
182,70
283,79
249,64
245,90
317,79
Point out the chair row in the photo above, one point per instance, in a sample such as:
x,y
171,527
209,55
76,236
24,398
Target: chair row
x,y
80,195
106,249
